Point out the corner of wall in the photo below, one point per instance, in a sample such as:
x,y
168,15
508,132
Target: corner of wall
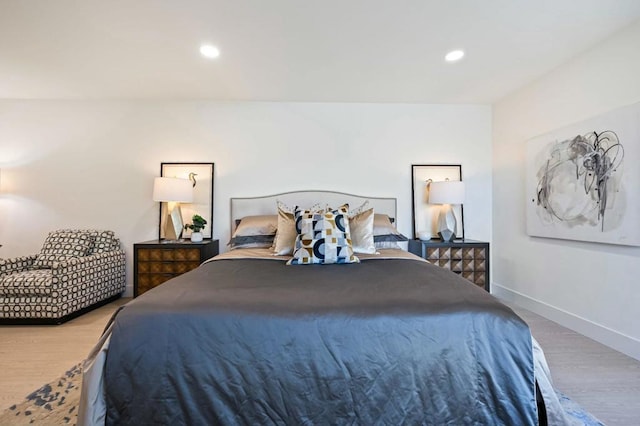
x,y
618,341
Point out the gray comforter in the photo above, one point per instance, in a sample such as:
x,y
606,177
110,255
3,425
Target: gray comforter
x,y
381,342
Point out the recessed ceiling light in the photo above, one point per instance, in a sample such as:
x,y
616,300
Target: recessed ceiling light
x,y
454,55
209,51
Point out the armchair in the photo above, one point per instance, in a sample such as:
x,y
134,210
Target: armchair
x,y
75,271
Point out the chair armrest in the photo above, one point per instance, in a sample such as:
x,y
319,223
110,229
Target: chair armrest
x,y
87,272
17,264
76,264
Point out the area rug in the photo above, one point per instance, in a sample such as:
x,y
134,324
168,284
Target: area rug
x,y
576,412
56,403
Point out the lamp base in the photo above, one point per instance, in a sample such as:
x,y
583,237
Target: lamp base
x,y
447,223
173,226
447,236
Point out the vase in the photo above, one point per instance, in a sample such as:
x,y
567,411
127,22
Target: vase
x,y
196,237
424,235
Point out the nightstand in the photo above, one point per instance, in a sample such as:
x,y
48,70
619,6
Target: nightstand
x,y
155,262
468,258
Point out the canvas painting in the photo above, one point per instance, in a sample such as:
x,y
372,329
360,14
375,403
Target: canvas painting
x,y
583,181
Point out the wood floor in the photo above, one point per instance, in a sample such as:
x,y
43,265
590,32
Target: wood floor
x,y
31,356
605,382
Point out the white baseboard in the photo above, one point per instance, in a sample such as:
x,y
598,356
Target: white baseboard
x,y
612,338
128,291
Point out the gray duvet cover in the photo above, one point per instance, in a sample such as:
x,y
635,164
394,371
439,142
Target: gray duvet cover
x,y
252,342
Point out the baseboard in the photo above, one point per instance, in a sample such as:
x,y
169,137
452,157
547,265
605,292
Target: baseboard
x,y
614,339
128,291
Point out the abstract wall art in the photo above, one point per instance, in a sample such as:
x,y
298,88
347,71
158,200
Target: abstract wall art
x,y
583,181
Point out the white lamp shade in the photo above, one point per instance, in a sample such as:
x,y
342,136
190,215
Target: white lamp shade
x,y
172,189
446,192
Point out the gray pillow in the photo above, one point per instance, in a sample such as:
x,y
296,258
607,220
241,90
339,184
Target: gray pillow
x,y
254,232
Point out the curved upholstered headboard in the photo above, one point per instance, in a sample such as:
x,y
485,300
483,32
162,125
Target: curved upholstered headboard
x,y
251,206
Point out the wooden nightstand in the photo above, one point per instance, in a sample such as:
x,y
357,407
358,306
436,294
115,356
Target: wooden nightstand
x,y
155,262
468,258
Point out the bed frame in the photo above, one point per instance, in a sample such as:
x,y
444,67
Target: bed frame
x,y
251,206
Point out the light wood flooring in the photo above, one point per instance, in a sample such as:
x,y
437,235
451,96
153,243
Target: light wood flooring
x,y
31,356
605,382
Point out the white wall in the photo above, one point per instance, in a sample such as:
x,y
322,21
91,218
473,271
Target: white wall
x,y
592,288
92,163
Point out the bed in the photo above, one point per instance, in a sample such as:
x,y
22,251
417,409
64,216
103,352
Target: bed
x,y
247,339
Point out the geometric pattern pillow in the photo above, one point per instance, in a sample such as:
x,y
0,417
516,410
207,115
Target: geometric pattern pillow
x,y
105,241
323,237
284,241
60,246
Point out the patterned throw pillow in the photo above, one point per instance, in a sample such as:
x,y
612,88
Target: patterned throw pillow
x,y
103,240
323,238
61,246
286,230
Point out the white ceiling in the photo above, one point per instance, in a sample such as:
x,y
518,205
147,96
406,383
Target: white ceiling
x,y
294,50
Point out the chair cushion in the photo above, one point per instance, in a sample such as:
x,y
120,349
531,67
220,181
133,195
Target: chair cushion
x,y
60,246
37,282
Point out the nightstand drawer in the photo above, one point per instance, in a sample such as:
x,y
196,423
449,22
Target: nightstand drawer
x,y
456,253
156,262
182,267
186,255
148,281
468,258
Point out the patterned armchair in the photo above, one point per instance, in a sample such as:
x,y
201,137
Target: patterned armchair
x,y
75,271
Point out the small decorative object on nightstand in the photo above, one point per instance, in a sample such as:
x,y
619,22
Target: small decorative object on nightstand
x,y
155,262
197,225
468,258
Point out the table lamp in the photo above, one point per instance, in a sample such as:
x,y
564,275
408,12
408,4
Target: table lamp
x,y
447,192
172,191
